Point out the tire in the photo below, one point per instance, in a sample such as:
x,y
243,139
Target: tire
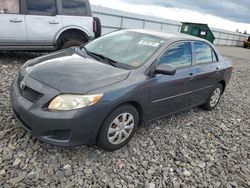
x,y
214,98
245,46
71,38
71,43
110,141
98,32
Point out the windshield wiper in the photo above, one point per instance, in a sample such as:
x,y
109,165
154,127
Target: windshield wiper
x,y
101,57
106,59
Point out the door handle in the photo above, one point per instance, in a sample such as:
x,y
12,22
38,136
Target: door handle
x,y
217,70
191,75
53,22
15,20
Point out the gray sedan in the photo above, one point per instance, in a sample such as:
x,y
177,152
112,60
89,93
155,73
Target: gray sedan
x,y
101,92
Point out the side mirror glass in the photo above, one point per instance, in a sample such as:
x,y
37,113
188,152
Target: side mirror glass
x,y
165,69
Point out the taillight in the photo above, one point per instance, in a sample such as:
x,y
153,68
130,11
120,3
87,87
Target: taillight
x,y
94,26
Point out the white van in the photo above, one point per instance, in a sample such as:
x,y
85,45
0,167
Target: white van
x,y
46,24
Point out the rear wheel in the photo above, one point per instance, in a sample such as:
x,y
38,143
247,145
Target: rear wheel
x,y
214,98
245,46
118,129
72,38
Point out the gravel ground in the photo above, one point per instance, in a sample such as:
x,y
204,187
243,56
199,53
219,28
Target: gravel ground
x,y
236,52
192,149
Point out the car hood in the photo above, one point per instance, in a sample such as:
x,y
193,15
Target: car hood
x,y
70,72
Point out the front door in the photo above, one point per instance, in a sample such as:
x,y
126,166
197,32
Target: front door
x,y
42,21
12,23
169,93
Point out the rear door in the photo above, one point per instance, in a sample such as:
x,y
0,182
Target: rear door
x,y
77,14
43,21
12,23
169,93
206,72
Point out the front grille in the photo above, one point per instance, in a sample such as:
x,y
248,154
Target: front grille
x,y
28,93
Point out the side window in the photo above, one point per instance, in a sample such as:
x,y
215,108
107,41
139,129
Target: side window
x,y
9,6
178,55
203,53
74,7
41,7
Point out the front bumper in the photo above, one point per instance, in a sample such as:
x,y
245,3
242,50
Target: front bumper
x,y
71,128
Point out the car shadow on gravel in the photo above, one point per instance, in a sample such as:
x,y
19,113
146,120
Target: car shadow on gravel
x,y
94,152
18,57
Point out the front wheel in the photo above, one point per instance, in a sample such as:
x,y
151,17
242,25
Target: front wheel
x,y
214,98
119,127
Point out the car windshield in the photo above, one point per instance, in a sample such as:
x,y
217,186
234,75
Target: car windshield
x,y
125,47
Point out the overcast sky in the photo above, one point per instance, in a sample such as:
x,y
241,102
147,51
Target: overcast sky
x,y
224,14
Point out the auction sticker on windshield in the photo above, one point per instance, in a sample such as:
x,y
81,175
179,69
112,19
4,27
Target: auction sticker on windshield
x,y
149,43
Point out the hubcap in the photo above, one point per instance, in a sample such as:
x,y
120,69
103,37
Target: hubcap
x,y
121,128
215,97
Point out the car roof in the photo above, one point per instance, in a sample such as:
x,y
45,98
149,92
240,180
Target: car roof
x,y
167,36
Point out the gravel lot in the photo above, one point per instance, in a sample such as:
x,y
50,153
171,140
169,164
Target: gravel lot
x,y
192,149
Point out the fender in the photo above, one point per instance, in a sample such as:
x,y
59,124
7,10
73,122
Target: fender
x,y
70,27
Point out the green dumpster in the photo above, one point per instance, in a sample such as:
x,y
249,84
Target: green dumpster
x,y
198,30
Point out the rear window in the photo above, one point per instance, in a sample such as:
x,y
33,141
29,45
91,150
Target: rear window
x,y
203,53
74,7
41,7
9,6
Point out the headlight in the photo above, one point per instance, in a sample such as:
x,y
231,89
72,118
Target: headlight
x,y
72,102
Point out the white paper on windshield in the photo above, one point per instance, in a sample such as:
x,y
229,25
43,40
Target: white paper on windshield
x,y
149,43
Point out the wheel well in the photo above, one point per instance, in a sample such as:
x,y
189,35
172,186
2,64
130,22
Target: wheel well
x,y
139,110
137,106
71,34
223,83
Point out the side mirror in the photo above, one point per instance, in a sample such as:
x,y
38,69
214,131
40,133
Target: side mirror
x,y
165,69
